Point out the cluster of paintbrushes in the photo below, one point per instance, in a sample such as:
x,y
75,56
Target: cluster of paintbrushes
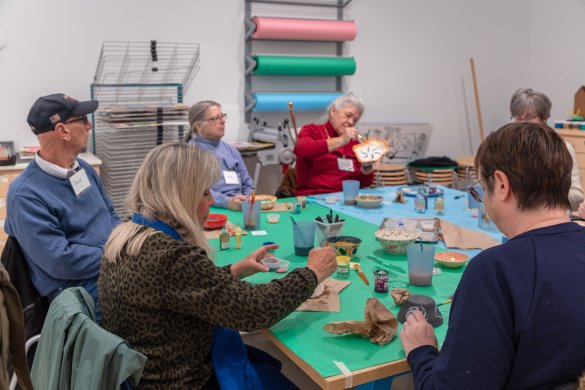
x,y
330,219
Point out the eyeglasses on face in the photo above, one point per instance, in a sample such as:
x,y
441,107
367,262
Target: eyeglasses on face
x,y
525,118
83,118
474,190
217,118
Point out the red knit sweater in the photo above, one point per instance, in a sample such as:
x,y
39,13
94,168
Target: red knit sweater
x,y
317,169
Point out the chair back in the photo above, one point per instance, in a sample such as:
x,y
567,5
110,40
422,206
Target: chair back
x,y
71,341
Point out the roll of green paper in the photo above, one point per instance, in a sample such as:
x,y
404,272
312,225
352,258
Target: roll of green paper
x,y
303,66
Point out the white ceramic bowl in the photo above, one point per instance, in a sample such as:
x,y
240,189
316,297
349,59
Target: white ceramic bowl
x,y
395,240
369,201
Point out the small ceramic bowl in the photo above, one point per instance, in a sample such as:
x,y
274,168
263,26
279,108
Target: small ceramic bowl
x,y
215,221
273,218
451,259
344,245
267,201
369,201
395,240
275,264
427,226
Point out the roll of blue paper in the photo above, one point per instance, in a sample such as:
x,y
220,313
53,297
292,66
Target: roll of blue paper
x,y
303,102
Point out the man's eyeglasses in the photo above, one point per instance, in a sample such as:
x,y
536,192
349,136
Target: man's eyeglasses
x,y
83,118
474,189
217,118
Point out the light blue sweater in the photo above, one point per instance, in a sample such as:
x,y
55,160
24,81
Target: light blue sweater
x,y
61,236
229,159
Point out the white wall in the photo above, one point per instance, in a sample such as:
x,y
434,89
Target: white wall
x,y
412,56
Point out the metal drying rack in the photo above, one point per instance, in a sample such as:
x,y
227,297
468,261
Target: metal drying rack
x,y
140,87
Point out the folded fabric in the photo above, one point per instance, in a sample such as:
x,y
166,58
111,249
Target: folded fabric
x,y
380,324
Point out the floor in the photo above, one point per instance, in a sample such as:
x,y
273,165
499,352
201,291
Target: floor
x,y
302,380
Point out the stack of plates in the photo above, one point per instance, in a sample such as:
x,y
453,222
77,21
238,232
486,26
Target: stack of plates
x,y
390,174
443,176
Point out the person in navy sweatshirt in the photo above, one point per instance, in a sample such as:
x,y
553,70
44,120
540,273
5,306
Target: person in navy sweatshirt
x,y
517,316
57,208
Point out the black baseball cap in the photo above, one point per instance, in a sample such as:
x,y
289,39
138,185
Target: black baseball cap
x,y
49,110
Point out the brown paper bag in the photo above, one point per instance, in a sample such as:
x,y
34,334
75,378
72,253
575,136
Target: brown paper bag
x,y
380,324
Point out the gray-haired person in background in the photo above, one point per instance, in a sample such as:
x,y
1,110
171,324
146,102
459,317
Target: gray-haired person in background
x,y
531,106
206,129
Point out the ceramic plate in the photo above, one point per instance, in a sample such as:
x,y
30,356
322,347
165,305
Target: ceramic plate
x,y
411,191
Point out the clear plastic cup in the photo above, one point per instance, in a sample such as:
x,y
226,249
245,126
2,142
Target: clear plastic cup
x,y
350,191
420,264
304,237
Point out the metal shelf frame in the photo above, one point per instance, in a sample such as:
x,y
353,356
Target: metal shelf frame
x,y
338,4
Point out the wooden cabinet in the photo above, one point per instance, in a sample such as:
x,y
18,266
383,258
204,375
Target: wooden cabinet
x,y
577,139
7,175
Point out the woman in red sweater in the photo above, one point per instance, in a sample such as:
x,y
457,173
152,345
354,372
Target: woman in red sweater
x,y
324,152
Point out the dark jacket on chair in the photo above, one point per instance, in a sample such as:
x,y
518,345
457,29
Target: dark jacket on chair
x,y
34,306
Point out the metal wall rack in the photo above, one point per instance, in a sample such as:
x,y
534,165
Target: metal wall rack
x,y
249,26
140,87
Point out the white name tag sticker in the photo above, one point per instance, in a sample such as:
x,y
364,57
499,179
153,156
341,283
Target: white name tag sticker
x,y
79,182
231,177
345,164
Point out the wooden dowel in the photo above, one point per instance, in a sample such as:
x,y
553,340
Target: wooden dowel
x,y
476,94
293,119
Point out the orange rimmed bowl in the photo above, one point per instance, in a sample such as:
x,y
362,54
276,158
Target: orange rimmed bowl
x,y
451,259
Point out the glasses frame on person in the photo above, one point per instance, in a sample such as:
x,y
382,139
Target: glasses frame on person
x,y
83,118
473,191
217,118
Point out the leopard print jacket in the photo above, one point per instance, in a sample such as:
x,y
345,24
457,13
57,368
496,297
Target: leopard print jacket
x,y
165,302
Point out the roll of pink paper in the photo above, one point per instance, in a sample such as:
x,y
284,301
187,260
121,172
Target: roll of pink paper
x,y
304,29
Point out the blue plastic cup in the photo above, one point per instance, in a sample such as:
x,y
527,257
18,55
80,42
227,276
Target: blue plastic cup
x,y
350,191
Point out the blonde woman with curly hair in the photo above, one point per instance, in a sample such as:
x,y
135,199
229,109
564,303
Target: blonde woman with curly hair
x,y
163,294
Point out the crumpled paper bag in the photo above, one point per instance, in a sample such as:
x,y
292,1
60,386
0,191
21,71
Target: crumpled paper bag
x,y
400,295
380,324
329,300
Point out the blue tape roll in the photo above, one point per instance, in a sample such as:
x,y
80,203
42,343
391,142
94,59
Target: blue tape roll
x,y
303,102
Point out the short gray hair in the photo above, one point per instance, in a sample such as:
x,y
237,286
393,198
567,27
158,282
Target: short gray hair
x,y
346,100
197,114
526,100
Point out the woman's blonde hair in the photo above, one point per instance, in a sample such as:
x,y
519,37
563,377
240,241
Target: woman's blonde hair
x,y
168,187
197,115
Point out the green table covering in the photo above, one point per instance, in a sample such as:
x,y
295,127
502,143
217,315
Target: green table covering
x,y
302,332
304,66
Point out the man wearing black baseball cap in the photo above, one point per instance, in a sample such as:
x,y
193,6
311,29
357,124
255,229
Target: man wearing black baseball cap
x,y
57,209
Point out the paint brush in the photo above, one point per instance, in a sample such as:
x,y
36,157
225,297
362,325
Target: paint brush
x,y
363,277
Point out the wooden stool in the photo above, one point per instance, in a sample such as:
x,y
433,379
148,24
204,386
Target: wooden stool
x,y
465,172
